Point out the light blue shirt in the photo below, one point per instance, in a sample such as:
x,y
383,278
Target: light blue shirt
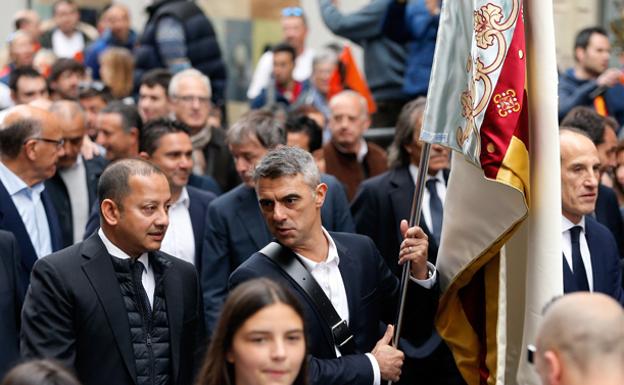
x,y
28,202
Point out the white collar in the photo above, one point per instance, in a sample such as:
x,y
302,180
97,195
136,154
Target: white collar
x,y
14,184
117,252
567,224
183,199
332,254
363,151
413,169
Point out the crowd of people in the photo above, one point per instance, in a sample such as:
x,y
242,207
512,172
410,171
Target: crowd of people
x,y
147,239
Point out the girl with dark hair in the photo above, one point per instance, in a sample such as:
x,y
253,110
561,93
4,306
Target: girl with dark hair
x,y
259,339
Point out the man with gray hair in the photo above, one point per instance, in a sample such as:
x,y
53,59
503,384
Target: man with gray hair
x,y
343,272
347,156
189,93
235,226
581,341
73,186
31,142
114,308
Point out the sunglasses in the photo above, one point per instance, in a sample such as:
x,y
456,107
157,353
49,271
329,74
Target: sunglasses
x,y
292,11
92,86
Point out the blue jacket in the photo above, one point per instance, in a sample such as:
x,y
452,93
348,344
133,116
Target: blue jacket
x,y
93,52
236,229
416,26
11,298
576,92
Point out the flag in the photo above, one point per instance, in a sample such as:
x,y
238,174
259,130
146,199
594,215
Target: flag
x,y
478,105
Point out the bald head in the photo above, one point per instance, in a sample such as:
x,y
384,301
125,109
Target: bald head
x,y
348,120
581,340
72,119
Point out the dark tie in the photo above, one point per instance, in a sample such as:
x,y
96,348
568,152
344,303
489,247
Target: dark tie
x,y
435,209
137,273
578,268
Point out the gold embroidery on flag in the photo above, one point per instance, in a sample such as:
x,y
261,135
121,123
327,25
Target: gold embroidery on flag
x,y
506,103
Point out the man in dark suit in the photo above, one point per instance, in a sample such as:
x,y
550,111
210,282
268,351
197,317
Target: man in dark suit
x,y
73,204
347,268
167,144
602,132
113,308
380,205
30,143
11,297
591,258
235,225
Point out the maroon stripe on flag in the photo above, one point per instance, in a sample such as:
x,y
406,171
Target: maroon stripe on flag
x,y
504,115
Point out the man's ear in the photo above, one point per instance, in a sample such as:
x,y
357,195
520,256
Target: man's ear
x,y
29,150
553,365
110,212
320,194
143,155
134,133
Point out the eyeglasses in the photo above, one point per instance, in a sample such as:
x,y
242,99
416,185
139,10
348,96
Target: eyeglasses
x,y
292,11
96,86
188,99
58,143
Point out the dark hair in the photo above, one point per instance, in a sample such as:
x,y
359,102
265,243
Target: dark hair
x,y
65,65
576,130
114,181
285,47
20,22
584,35
307,126
40,372
92,89
59,2
17,73
129,115
242,303
157,77
13,136
156,129
588,121
404,133
260,124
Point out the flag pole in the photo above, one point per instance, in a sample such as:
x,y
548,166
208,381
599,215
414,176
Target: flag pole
x,y
414,220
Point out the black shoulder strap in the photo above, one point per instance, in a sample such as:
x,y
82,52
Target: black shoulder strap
x,y
343,337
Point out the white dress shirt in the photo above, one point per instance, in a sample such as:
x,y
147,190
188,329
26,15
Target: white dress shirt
x,y
28,202
264,70
566,243
147,279
327,275
67,46
440,188
75,179
179,239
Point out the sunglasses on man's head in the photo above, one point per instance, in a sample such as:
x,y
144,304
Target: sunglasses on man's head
x,y
292,11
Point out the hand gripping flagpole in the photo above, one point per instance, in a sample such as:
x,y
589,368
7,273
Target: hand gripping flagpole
x,y
414,220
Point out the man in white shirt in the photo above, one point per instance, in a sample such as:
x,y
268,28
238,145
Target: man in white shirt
x,y
346,267
65,40
590,256
31,142
295,31
167,144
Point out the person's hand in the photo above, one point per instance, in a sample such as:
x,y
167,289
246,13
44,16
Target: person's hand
x,y
433,6
609,78
89,150
414,249
390,359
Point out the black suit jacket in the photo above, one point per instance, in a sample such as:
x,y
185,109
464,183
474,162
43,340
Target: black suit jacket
x,y
372,295
380,204
608,213
605,262
236,229
11,297
60,196
11,220
74,312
